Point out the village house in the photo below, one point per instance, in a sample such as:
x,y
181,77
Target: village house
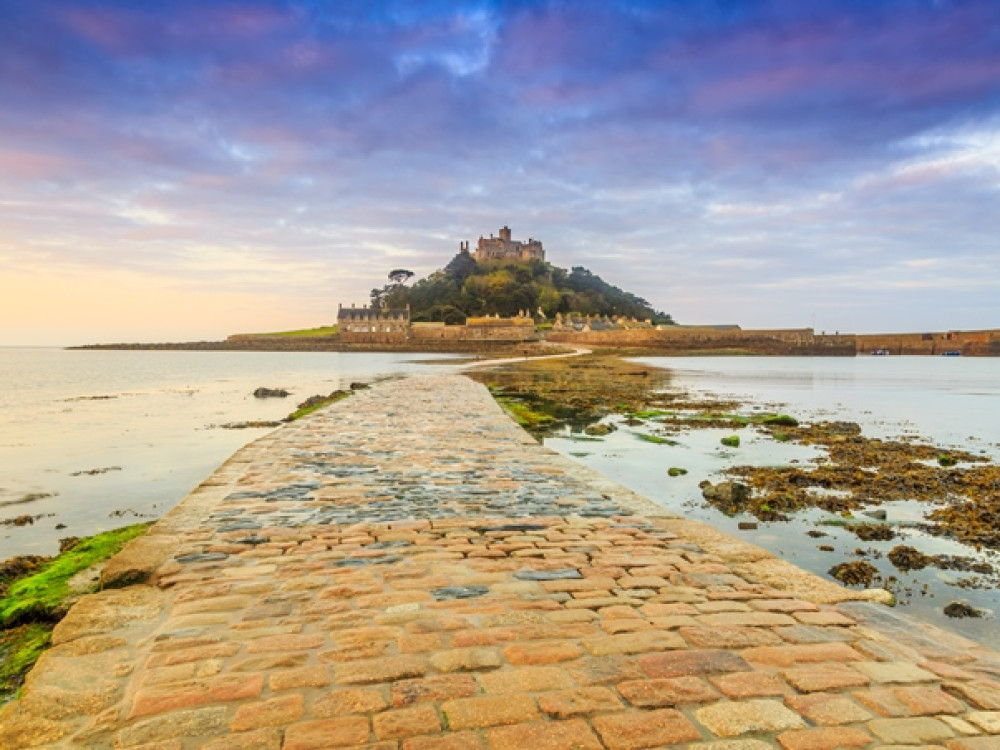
x,y
369,320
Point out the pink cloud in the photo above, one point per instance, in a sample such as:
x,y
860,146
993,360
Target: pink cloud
x,y
25,165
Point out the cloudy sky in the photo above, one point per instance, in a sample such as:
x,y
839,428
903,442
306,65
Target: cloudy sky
x,y
193,168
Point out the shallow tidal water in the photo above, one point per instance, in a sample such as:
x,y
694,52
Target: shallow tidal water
x,y
145,423
951,402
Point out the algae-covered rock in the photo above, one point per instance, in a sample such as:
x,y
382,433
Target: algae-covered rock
x,y
725,493
733,441
45,595
858,573
780,420
270,393
872,532
907,558
675,471
961,609
601,428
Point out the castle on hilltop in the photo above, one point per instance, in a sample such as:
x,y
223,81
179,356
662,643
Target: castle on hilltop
x,y
504,248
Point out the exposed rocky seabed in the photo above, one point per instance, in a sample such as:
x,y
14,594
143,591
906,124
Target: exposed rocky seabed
x,y
915,518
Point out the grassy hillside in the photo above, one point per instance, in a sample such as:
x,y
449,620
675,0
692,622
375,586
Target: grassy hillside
x,y
305,332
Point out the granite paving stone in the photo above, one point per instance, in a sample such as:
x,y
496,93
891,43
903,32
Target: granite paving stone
x,y
910,731
733,718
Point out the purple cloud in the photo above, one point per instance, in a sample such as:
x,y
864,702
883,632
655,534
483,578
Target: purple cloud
x,y
686,150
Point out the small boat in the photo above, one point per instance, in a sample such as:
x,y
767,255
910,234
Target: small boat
x,y
880,352
951,353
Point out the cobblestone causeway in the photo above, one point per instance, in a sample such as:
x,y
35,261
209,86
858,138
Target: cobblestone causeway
x,y
409,570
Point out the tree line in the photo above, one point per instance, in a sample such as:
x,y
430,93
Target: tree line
x,y
467,288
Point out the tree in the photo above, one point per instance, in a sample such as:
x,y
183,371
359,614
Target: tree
x,y
461,266
400,275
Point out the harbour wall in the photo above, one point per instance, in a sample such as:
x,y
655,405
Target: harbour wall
x,y
785,341
984,343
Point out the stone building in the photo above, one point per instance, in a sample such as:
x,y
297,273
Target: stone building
x,y
495,328
359,323
587,323
504,248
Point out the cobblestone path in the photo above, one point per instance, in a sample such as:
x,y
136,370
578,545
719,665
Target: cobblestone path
x,y
408,569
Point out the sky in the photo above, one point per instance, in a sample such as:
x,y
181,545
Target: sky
x,y
188,169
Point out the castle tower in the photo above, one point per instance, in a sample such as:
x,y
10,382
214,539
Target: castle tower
x,y
506,248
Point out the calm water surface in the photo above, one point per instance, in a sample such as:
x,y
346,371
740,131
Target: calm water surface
x,y
952,402
148,417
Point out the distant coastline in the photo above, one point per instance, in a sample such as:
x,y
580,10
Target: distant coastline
x,y
670,340
332,344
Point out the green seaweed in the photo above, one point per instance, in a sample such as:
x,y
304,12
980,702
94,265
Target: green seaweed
x,y
42,596
777,420
305,410
733,441
523,414
676,471
735,420
538,415
649,414
19,650
657,439
781,437
741,420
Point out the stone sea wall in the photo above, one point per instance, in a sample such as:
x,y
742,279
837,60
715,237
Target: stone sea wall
x,y
377,343
985,343
791,341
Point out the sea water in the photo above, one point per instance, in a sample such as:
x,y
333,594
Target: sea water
x,y
93,440
952,402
